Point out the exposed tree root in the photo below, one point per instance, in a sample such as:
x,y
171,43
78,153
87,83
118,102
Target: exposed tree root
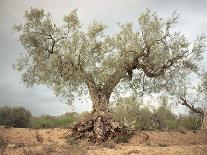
x,y
100,128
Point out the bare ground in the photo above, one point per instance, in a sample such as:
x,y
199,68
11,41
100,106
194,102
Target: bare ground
x,y
22,141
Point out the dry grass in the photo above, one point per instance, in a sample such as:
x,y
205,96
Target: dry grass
x,y
53,141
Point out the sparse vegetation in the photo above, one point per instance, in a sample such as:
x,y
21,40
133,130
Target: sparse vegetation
x,y
132,113
128,111
48,121
22,118
15,117
135,115
162,145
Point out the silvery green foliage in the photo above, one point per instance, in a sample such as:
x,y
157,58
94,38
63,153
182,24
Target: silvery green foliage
x,y
62,56
203,84
202,91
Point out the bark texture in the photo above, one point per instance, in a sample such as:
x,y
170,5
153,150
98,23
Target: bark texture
x,y
204,123
98,126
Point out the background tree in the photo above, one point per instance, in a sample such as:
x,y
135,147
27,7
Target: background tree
x,y
15,117
192,95
163,118
132,112
70,59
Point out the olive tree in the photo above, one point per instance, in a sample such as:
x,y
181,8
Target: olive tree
x,y
69,58
192,95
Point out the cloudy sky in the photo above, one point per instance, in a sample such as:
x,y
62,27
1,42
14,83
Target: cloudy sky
x,y
41,100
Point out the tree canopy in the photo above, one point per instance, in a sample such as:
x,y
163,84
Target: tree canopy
x,y
68,58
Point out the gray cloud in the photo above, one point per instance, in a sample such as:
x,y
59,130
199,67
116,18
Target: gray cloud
x,y
40,100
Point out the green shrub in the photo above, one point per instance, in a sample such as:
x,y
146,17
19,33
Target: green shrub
x,y
162,145
14,117
132,113
190,122
54,121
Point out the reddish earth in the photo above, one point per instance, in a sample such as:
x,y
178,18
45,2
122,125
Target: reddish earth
x,y
22,141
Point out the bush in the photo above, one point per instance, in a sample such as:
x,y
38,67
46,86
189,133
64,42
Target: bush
x,y
162,145
165,119
190,122
54,121
132,113
14,117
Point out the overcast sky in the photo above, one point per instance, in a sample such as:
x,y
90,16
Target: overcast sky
x,y
41,100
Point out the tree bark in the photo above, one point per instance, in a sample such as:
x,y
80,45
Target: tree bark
x,y
100,113
100,102
98,125
204,121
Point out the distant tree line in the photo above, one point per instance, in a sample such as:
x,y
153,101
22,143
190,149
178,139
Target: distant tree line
x,y
130,111
15,117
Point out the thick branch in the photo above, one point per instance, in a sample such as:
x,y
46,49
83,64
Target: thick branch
x,y
148,70
191,107
116,77
90,81
92,87
112,81
162,69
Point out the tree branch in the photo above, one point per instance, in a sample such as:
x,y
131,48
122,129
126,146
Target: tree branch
x,y
112,81
191,106
163,68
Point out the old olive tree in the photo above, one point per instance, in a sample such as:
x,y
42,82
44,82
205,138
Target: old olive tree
x,y
70,58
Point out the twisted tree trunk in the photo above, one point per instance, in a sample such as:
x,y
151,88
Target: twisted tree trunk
x,y
98,125
100,114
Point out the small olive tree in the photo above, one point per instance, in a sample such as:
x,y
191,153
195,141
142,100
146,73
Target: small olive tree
x,y
70,59
193,96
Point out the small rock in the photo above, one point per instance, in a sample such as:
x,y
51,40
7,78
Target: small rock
x,y
11,145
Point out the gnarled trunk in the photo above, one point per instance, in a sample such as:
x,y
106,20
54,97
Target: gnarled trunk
x,y
100,102
98,125
100,114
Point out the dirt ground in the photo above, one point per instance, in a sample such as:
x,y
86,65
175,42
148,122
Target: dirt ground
x,y
22,141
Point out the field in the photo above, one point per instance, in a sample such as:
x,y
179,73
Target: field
x,y
18,141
